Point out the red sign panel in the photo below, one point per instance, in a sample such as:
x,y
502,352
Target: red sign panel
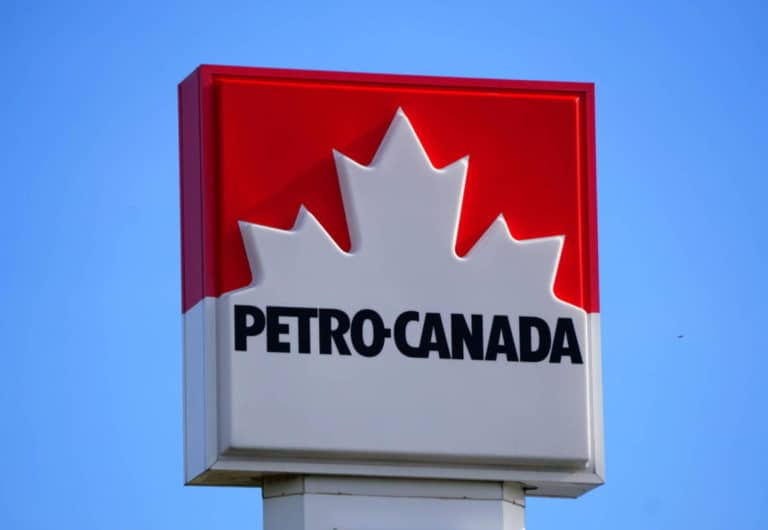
x,y
267,140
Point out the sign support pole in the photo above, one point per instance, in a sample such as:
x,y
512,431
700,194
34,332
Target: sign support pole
x,y
310,502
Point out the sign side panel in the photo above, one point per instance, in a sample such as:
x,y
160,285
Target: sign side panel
x,y
191,192
199,356
596,397
194,397
595,359
592,254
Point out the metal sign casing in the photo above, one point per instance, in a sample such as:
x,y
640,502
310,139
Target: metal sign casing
x,y
389,276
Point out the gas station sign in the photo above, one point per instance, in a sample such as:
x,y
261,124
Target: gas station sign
x,y
390,276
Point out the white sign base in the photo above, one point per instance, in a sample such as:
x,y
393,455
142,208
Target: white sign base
x,y
342,503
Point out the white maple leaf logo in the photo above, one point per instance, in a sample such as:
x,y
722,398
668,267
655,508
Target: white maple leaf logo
x,y
403,217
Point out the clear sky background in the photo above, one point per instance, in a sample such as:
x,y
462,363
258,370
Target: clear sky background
x,y
90,380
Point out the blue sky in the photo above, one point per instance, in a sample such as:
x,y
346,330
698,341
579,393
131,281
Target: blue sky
x,y
90,385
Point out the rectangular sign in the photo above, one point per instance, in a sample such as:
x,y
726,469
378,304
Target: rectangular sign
x,y
389,276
